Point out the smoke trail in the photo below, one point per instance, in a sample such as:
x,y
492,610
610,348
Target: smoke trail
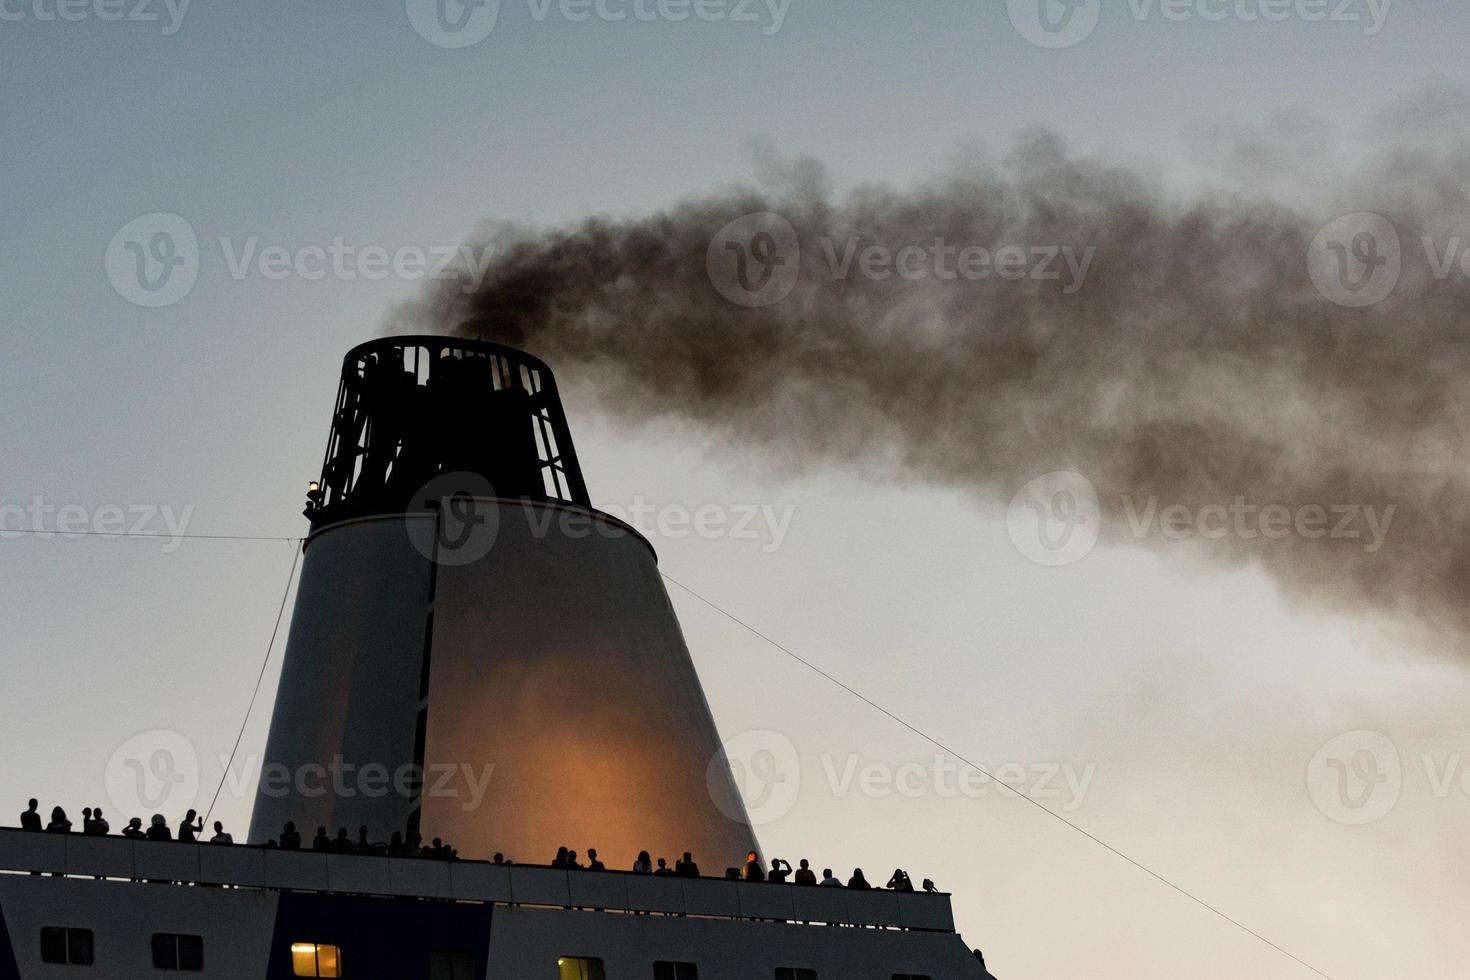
x,y
1184,354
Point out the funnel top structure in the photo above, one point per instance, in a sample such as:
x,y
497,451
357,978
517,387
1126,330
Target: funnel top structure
x,y
411,409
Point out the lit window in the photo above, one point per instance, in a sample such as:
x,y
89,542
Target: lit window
x,y
175,952
316,960
579,968
675,971
787,973
72,946
452,966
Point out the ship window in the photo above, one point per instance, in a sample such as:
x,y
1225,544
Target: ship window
x,y
72,946
787,973
452,966
675,971
316,960
176,952
579,968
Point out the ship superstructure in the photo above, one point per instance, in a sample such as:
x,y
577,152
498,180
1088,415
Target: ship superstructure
x,y
476,654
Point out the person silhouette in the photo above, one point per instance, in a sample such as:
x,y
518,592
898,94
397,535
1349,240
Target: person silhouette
x,y
900,881
87,821
858,881
100,826
220,837
804,874
572,863
189,830
780,870
663,868
134,830
59,824
321,842
158,828
290,837
363,845
592,863
644,864
829,880
753,870
686,868
31,819
342,844
396,847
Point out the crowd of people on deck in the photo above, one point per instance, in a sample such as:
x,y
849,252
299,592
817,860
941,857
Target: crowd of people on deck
x,y
191,830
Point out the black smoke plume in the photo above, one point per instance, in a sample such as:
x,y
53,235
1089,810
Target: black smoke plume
x,y
1196,362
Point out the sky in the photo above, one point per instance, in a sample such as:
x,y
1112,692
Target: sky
x,y
1196,708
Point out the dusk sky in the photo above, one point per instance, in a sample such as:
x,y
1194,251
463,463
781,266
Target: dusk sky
x,y
1207,719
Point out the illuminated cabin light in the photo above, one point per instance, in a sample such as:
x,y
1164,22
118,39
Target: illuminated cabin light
x,y
316,960
579,968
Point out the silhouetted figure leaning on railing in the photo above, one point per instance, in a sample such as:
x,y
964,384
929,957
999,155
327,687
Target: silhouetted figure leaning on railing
x,y
780,871
753,870
804,874
220,837
134,830
829,880
900,881
290,837
685,867
321,842
858,882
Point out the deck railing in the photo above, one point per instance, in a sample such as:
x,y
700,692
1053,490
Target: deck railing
x,y
240,866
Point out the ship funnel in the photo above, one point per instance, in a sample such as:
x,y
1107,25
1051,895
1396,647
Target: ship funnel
x,y
475,652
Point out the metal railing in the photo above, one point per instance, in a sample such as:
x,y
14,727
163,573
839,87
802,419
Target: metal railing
x,y
28,852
